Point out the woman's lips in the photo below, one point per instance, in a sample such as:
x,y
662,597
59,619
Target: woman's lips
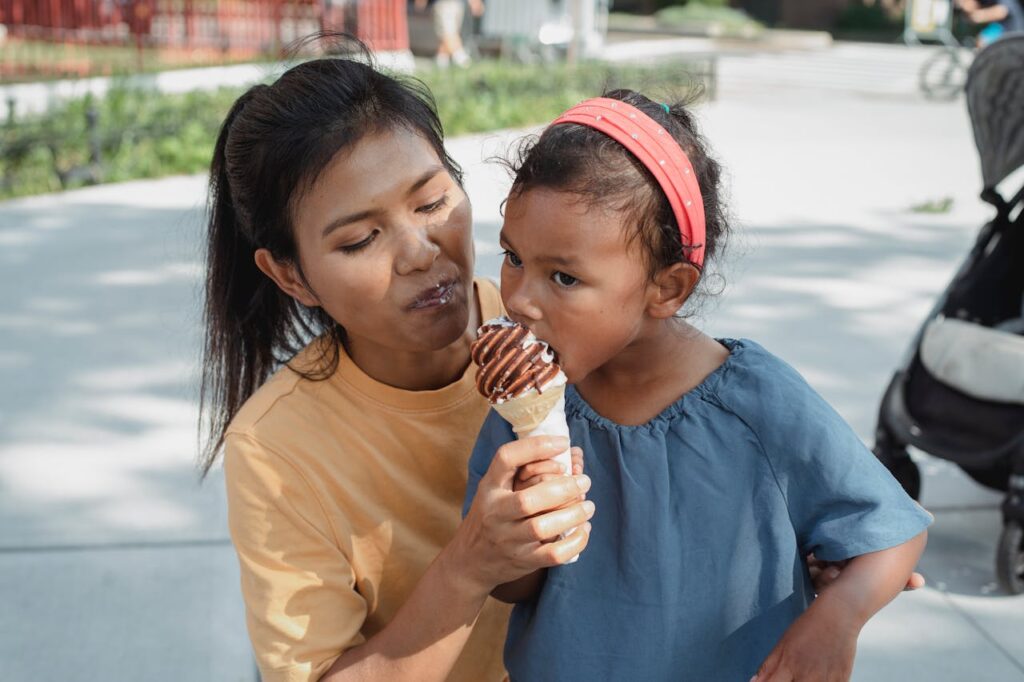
x,y
435,297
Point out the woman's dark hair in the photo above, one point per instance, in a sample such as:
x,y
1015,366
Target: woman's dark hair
x,y
273,146
586,162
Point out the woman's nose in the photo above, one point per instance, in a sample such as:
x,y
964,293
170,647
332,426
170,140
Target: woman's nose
x,y
416,252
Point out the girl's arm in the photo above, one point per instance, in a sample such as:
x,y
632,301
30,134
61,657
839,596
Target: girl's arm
x,y
824,573
821,643
505,535
871,581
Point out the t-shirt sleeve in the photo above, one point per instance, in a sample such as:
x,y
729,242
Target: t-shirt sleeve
x,y
493,434
302,607
842,501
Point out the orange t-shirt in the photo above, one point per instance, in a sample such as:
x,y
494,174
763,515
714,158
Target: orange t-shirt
x,y
340,493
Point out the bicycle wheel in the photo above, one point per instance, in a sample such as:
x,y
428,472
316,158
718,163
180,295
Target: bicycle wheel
x,y
943,75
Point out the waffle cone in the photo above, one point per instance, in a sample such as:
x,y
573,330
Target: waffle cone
x,y
526,412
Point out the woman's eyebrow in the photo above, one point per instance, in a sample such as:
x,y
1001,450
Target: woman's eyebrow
x,y
347,220
424,179
363,215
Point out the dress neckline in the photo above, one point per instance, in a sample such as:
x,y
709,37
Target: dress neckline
x,y
704,390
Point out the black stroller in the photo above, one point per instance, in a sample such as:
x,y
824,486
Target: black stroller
x,y
959,394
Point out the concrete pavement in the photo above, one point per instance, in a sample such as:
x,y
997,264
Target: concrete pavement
x,y
114,561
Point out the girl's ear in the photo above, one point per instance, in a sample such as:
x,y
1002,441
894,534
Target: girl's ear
x,y
670,288
286,277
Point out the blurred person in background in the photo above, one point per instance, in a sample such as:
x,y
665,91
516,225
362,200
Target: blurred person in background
x,y
997,17
448,15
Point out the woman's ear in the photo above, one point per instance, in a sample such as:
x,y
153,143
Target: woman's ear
x,y
286,277
670,289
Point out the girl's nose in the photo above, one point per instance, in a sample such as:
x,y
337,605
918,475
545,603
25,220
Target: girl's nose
x,y
417,251
521,306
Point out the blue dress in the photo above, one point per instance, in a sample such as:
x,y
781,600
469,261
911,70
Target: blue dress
x,y
695,566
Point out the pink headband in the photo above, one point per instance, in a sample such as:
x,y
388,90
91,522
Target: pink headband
x,y
658,152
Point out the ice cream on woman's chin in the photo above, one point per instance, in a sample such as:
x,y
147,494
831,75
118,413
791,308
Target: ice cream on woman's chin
x,y
519,375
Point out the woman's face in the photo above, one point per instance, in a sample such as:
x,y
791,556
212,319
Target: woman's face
x,y
384,240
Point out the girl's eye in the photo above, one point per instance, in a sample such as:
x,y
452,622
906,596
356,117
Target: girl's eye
x,y
359,246
435,206
564,280
512,258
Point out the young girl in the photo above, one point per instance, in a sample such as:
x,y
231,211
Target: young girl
x,y
715,467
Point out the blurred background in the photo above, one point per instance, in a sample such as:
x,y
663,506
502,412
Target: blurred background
x,y
855,181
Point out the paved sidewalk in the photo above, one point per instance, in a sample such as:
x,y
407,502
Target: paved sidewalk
x,y
115,562
844,68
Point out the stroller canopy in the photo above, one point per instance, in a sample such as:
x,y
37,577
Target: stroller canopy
x,y
995,99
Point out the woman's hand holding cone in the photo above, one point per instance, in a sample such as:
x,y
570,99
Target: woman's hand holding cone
x,y
511,531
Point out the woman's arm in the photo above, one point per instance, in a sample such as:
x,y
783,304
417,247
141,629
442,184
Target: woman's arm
x,y
523,589
506,534
425,637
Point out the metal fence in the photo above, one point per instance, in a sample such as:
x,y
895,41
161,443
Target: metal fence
x,y
57,35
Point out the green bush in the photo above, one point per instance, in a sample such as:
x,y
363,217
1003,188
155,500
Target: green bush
x,y
143,134
704,13
496,95
138,134
861,18
663,4
709,3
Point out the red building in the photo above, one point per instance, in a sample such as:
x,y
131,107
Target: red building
x,y
228,26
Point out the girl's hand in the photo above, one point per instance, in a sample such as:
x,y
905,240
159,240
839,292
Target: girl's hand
x,y
510,533
818,647
533,473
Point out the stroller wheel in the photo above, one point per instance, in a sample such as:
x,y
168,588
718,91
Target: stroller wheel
x,y
1010,558
903,469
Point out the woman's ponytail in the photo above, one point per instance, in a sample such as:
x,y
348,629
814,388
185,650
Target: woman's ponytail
x,y
242,307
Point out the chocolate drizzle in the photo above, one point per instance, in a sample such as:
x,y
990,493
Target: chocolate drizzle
x,y
511,361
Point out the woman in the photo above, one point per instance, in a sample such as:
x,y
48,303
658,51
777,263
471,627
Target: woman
x,y
340,250
337,215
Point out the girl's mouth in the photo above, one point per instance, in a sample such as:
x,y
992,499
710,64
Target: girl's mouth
x,y
435,297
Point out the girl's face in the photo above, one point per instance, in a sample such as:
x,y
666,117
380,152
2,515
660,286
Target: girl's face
x,y
385,244
571,277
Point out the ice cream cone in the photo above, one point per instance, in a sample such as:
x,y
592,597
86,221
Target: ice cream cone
x,y
526,412
520,377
